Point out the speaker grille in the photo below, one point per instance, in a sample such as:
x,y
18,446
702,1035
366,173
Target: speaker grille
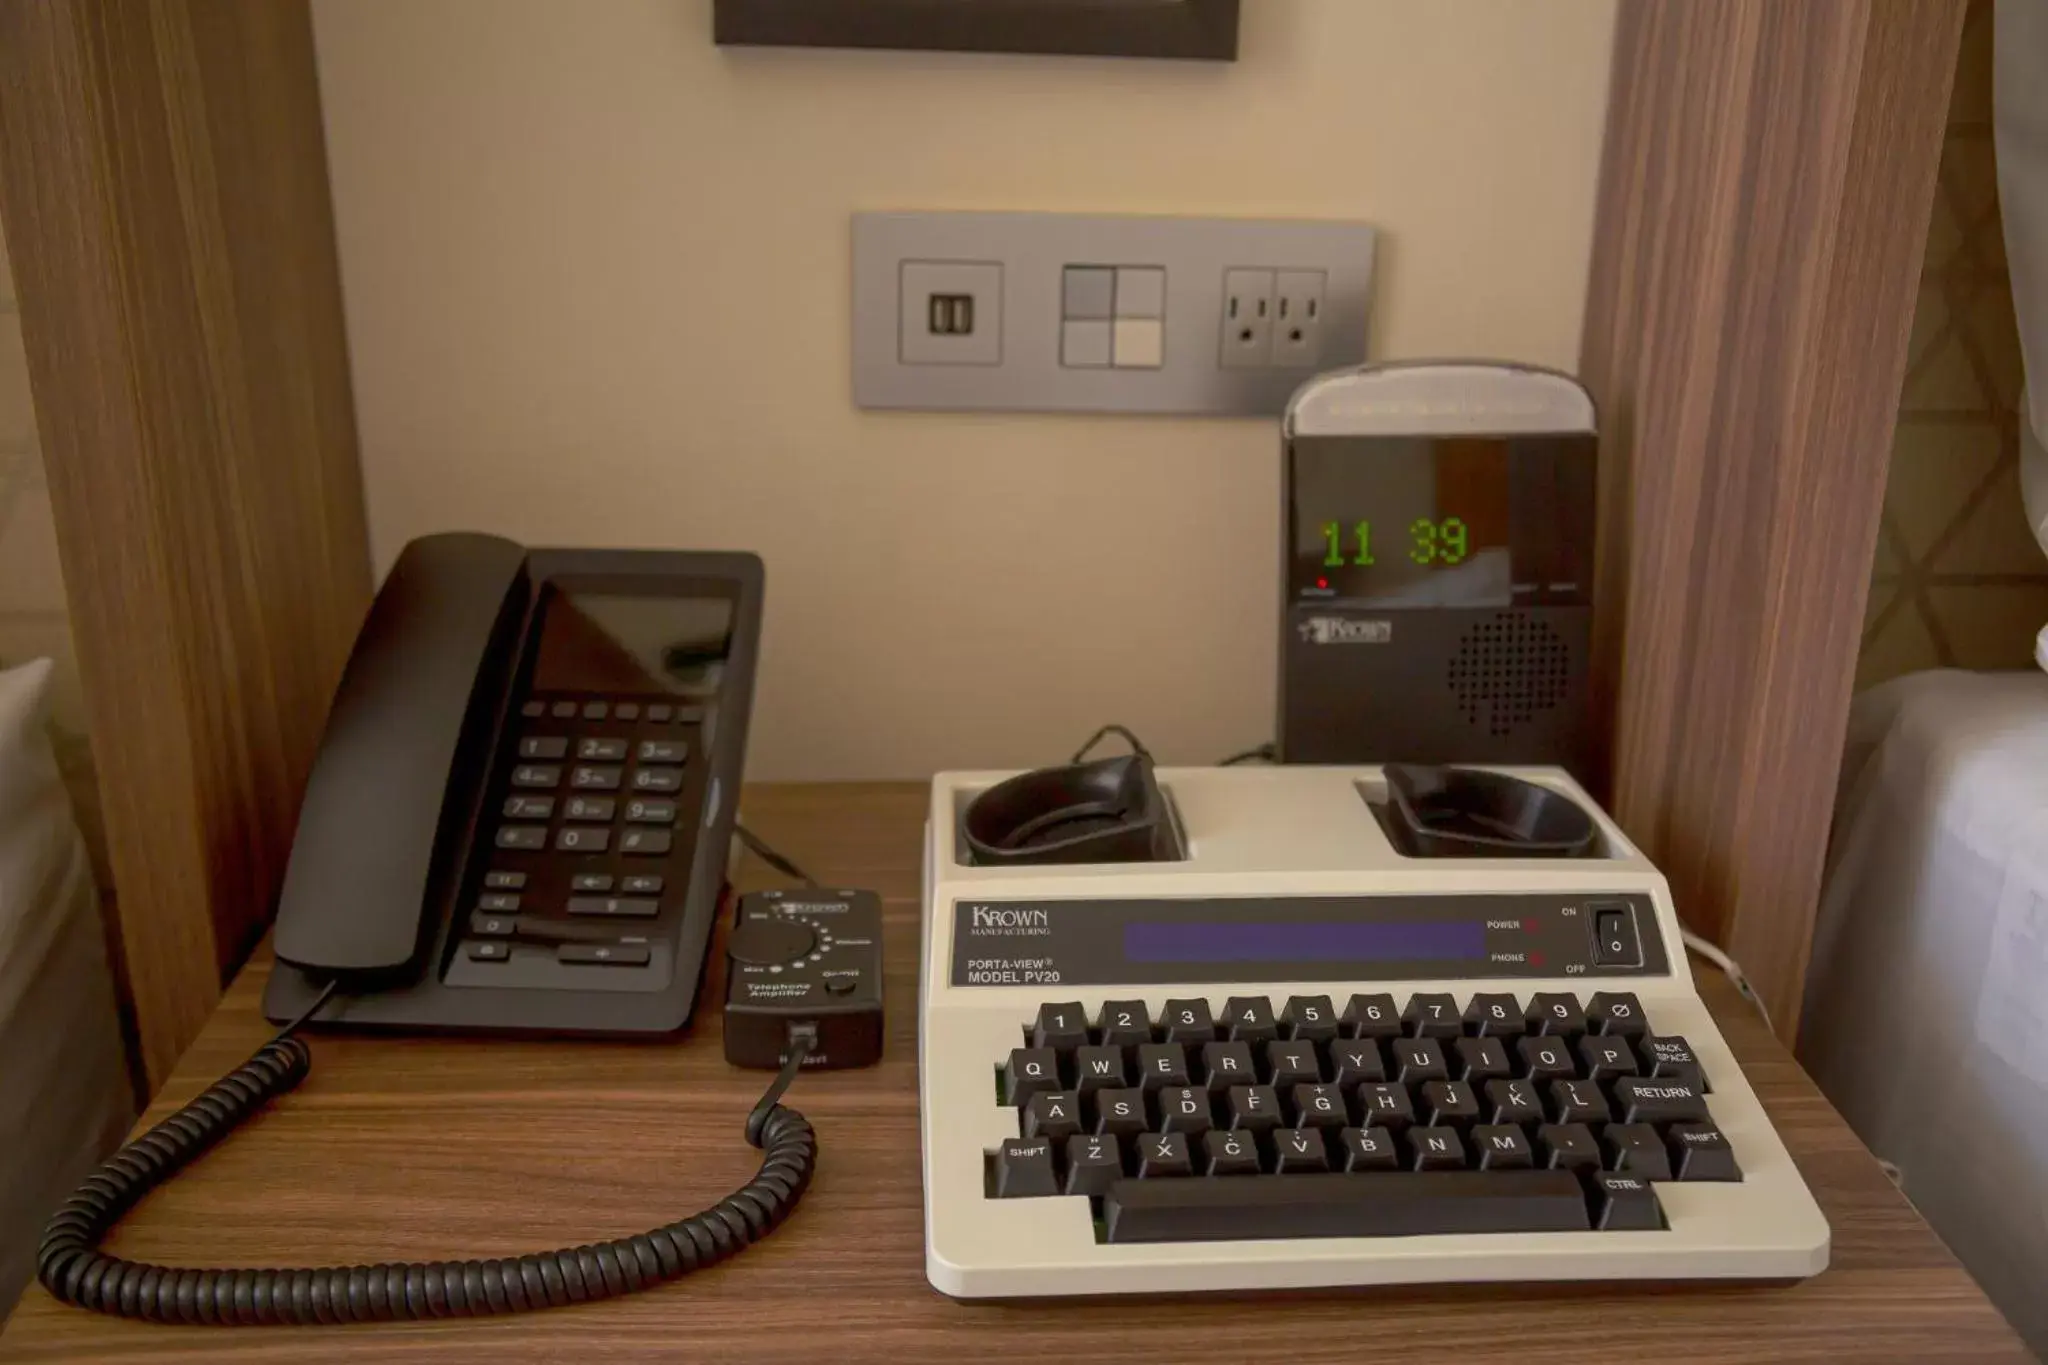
x,y
1508,671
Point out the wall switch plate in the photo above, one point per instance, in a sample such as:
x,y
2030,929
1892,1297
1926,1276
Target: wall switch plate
x,y
1051,312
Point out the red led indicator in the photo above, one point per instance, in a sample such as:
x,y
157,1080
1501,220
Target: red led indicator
x,y
1322,582
1535,958
1532,926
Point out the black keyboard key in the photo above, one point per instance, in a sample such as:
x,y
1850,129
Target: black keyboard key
x,y
605,954
1605,1058
646,842
1567,1147
1501,1147
1700,1151
591,881
1162,1154
1577,1102
1356,1060
1125,1023
1618,1014
1031,1071
1371,1016
1480,1060
1188,1021
647,884
543,746
1385,1104
1255,1108
1118,1113
657,779
1625,1203
1093,1164
1671,1059
1513,1102
1418,1059
570,840
1390,1205
1291,1064
490,950
1449,1104
641,811
615,907
1230,1153
596,750
536,775
1064,1027
1299,1150
498,902
663,751
1435,1149
1545,1059
1432,1015
590,808
1162,1064
1555,1012
1369,1149
1184,1109
595,777
1645,1099
1100,1068
1024,1169
1635,1149
521,836
1227,1064
504,881
485,925
1494,1015
1320,1106
1249,1019
529,807
1309,1018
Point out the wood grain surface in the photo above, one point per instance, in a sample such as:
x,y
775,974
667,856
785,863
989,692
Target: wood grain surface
x,y
426,1148
164,181
1764,197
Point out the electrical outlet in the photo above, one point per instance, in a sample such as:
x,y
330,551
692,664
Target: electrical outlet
x,y
1060,312
1298,318
1247,339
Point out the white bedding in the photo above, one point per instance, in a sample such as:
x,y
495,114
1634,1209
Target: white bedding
x,y
65,1096
1926,1016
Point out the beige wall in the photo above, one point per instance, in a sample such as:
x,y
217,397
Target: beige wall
x,y
596,276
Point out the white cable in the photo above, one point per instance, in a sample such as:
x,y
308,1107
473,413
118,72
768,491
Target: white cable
x,y
1730,969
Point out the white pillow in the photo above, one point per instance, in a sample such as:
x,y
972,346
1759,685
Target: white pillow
x,y
65,1098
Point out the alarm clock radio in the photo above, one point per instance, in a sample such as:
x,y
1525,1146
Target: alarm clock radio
x,y
1437,528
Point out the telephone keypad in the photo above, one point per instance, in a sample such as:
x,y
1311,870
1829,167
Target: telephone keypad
x,y
561,806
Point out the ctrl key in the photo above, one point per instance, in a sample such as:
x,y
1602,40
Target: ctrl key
x,y
1023,1168
1624,1203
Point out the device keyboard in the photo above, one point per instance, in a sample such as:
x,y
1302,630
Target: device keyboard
x,y
1376,1117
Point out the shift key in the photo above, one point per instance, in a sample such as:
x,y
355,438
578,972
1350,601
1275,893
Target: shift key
x,y
615,907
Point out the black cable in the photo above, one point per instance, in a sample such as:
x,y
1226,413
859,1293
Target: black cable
x,y
1121,732
769,856
74,1271
1263,754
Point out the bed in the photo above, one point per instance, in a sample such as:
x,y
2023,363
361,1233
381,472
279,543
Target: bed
x,y
65,1093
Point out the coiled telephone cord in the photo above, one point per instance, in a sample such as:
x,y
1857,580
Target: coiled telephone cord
x,y
75,1271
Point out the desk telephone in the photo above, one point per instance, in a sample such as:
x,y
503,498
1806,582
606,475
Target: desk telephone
x,y
518,823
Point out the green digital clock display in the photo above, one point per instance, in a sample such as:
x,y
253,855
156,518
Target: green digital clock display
x,y
1444,542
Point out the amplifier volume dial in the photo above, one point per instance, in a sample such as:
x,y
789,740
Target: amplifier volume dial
x,y
760,942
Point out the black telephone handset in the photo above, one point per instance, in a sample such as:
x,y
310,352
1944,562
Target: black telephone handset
x,y
385,802
519,818
518,821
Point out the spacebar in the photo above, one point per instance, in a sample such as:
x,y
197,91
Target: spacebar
x,y
1388,1204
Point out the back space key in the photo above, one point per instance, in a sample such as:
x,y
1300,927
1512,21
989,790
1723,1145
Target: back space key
x,y
1404,1204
